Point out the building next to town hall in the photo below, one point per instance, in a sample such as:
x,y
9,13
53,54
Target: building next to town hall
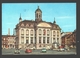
x,y
8,41
37,33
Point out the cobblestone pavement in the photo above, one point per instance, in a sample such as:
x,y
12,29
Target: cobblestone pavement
x,y
38,52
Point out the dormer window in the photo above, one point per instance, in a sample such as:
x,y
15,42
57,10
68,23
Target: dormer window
x,y
31,25
27,25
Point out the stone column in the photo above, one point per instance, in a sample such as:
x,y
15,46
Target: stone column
x,y
59,37
56,38
42,39
29,37
19,45
46,37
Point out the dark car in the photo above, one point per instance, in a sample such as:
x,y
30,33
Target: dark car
x,y
17,51
28,51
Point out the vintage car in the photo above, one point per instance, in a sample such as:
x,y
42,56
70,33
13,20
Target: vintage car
x,y
17,51
33,48
44,50
62,49
28,51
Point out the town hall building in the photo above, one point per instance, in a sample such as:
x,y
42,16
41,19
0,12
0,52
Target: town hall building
x,y
37,33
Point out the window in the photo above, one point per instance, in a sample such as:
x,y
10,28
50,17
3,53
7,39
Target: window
x,y
57,32
48,32
31,40
4,38
57,35
31,32
27,32
27,40
22,31
43,39
37,15
39,39
57,39
53,32
53,38
47,39
40,31
54,35
22,40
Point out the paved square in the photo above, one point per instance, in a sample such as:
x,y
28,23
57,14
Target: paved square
x,y
38,52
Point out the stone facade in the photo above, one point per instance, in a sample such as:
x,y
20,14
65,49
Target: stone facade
x,y
37,33
69,39
8,41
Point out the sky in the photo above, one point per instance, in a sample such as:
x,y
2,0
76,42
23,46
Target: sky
x,y
64,14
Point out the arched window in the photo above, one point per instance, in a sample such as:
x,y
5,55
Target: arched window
x,y
31,32
57,33
53,39
48,32
39,39
40,31
22,40
54,33
27,31
22,31
47,39
39,16
43,39
27,40
31,40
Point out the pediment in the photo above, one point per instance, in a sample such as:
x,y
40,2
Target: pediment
x,y
43,24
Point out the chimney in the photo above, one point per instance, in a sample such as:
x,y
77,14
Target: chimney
x,y
9,31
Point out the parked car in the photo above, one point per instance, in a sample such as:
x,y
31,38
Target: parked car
x,y
44,50
17,51
28,51
33,48
62,49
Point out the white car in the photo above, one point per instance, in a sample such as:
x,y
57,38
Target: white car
x,y
33,48
44,50
17,51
